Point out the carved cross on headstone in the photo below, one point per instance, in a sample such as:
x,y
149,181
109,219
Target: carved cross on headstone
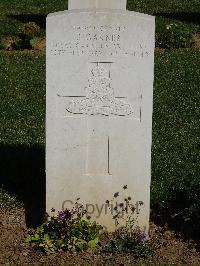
x,y
100,100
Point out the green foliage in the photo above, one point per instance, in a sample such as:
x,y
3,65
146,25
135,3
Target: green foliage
x,y
14,13
174,34
176,147
127,238
67,231
123,209
131,240
30,30
8,43
22,95
7,201
129,245
160,6
33,42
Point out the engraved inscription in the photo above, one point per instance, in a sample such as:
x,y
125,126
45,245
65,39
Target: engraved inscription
x,y
100,97
97,41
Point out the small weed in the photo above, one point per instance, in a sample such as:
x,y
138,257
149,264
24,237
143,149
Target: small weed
x,y
67,231
8,201
29,32
174,34
128,238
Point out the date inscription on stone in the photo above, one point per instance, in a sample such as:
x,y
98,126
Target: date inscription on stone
x,y
98,41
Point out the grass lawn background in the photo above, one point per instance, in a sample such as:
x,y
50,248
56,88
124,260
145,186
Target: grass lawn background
x,y
176,127
14,13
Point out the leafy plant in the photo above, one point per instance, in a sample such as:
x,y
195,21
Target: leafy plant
x,y
174,34
127,238
130,245
124,212
33,42
67,231
8,42
29,32
130,239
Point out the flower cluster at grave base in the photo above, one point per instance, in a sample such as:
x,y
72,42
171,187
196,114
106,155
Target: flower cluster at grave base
x,y
126,240
66,231
69,231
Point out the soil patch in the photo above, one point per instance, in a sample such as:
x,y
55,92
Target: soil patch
x,y
169,248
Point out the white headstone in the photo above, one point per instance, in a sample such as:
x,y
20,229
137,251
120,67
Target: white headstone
x,y
100,65
84,4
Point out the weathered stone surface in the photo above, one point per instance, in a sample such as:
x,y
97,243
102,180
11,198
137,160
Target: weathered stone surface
x,y
111,4
99,109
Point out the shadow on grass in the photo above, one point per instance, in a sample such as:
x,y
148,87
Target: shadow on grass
x,y
178,219
40,20
22,172
182,16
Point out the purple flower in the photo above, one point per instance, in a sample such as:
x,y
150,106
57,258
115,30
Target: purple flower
x,y
145,237
64,216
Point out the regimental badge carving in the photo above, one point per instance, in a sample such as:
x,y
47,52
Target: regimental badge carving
x,y
100,98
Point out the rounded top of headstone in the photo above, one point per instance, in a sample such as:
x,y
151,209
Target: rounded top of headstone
x,y
87,4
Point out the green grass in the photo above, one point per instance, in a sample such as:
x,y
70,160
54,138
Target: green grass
x,y
22,131
14,13
176,127
22,96
9,201
162,6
